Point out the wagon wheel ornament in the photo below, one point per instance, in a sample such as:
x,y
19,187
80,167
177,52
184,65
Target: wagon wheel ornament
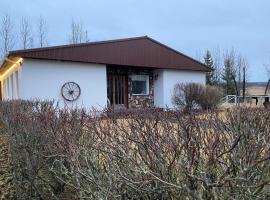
x,y
71,91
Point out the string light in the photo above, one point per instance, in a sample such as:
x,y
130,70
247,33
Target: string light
x,y
11,68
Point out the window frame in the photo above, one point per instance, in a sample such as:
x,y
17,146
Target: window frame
x,y
138,76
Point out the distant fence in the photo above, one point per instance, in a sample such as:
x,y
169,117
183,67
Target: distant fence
x,y
234,99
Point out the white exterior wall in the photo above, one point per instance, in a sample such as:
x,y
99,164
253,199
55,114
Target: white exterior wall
x,y
43,79
159,88
164,85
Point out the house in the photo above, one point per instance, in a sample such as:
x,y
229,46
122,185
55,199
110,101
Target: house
x,y
125,73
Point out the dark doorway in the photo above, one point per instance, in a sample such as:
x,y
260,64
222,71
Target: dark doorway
x,y
117,91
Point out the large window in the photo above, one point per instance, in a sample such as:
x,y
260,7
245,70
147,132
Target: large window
x,y
140,84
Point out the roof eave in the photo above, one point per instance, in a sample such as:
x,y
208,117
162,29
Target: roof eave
x,y
206,69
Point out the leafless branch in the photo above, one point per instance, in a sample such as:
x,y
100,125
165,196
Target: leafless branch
x,y
26,36
42,32
6,34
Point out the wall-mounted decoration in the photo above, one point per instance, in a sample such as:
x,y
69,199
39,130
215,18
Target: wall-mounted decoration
x,y
71,91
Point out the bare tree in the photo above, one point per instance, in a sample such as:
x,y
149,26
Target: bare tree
x,y
235,68
229,74
26,33
217,62
78,33
267,68
6,35
42,32
242,67
244,79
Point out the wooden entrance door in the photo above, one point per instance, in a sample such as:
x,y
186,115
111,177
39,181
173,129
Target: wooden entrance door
x,y
117,91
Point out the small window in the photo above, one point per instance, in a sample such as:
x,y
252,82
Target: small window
x,y
140,85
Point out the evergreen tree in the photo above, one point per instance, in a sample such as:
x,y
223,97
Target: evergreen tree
x,y
210,76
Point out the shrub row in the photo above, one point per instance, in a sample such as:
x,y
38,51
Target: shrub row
x,y
59,153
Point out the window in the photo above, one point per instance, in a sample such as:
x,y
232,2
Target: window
x,y
140,84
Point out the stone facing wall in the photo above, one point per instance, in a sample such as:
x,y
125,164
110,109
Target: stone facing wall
x,y
141,101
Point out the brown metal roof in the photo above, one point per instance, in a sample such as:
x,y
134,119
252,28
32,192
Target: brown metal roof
x,y
139,52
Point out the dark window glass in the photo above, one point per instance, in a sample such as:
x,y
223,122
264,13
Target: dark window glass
x,y
138,87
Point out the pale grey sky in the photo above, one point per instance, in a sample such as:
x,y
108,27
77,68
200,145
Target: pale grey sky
x,y
190,26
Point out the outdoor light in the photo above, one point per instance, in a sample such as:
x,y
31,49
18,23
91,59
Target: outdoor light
x,y
15,64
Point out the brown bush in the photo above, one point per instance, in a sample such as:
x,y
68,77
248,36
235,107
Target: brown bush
x,y
186,95
210,98
190,95
141,154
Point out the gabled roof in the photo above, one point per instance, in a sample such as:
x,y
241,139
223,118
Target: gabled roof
x,y
139,52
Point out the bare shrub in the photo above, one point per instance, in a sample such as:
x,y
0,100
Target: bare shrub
x,y
210,98
141,154
190,95
28,145
186,95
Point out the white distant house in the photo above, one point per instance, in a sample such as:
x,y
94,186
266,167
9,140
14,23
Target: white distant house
x,y
125,73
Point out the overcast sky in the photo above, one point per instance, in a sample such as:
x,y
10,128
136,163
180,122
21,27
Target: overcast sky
x,y
190,26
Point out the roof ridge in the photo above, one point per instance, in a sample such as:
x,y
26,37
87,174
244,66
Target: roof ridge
x,y
77,45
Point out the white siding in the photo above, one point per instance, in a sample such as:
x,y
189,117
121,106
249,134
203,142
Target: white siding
x,y
16,84
166,81
10,82
10,88
159,88
43,80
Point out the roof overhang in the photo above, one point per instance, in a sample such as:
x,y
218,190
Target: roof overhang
x,y
137,52
9,64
